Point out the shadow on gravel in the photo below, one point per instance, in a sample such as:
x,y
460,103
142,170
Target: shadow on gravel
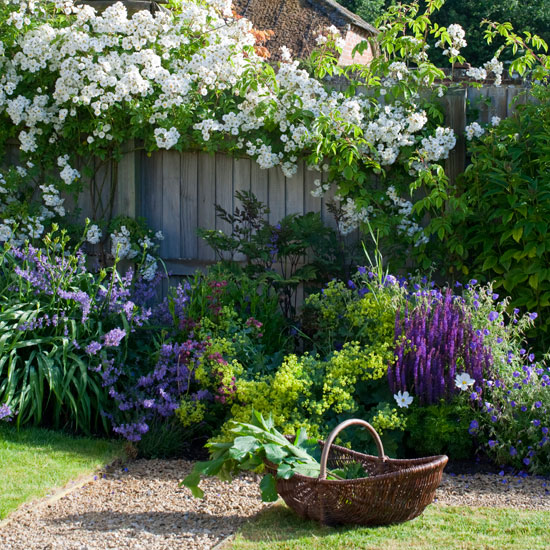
x,y
157,523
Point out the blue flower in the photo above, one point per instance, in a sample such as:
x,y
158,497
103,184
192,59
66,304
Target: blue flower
x,y
538,404
493,316
513,451
526,461
492,443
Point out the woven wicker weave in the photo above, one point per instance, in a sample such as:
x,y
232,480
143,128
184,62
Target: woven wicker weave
x,y
394,491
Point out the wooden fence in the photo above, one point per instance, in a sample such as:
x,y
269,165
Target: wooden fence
x,y
176,192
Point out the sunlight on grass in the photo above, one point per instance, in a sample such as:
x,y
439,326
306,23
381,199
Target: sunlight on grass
x,y
35,461
440,527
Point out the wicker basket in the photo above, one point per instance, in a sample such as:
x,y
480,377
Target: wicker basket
x,y
395,491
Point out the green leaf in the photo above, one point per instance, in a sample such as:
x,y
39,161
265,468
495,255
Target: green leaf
x,y
268,487
192,481
285,471
274,453
489,263
245,443
517,233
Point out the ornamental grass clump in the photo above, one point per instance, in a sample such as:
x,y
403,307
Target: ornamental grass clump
x,y
436,344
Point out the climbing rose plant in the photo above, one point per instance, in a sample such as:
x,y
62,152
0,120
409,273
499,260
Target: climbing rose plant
x,y
78,86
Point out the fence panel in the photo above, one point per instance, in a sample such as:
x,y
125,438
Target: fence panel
x,y
176,192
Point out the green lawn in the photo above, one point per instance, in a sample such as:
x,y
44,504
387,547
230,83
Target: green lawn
x,y
34,461
440,528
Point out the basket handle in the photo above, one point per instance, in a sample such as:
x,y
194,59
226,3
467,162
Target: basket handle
x,y
337,430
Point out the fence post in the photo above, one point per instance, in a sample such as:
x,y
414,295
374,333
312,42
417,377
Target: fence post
x,y
455,117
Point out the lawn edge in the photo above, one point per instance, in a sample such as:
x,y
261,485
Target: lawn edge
x,y
69,487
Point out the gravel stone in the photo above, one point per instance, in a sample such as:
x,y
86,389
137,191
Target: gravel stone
x,y
135,507
140,506
494,491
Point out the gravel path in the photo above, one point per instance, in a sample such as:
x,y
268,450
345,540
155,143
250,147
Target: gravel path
x,y
495,490
141,507
138,507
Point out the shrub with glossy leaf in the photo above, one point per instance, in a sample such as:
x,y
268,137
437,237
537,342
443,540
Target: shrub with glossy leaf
x,y
505,234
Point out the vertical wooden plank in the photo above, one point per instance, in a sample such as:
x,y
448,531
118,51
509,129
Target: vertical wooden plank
x,y
171,178
242,170
151,189
189,205
455,108
499,102
326,216
224,191
476,99
259,184
311,203
101,192
516,96
277,200
294,195
206,201
126,191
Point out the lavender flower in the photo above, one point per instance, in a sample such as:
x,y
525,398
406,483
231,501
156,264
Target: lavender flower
x,y
92,348
113,338
5,412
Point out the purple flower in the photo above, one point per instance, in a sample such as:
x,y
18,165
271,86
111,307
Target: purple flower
x,y
526,461
493,316
362,270
536,423
474,425
92,348
513,451
492,443
113,338
5,412
533,316
495,296
494,418
538,404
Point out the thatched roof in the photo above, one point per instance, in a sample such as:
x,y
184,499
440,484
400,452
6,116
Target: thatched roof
x,y
295,22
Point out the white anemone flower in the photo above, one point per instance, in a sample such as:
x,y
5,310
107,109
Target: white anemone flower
x,y
464,381
403,399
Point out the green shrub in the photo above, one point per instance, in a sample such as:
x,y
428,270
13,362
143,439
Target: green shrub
x,y
507,191
440,429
